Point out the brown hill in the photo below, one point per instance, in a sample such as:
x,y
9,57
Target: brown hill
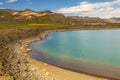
x,y
15,18
113,20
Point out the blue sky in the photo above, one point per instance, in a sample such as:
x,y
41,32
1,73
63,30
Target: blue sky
x,y
68,7
42,4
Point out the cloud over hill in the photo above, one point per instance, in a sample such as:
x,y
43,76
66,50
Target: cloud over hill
x,y
98,9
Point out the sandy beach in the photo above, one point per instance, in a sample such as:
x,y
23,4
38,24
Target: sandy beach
x,y
62,74
49,71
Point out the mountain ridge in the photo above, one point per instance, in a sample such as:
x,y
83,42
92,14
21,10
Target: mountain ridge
x,y
27,17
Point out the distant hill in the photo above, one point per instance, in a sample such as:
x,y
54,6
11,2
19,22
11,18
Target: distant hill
x,y
75,20
28,18
113,20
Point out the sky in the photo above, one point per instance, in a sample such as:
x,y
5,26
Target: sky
x,y
91,8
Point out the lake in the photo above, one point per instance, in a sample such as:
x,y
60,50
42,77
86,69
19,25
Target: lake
x,y
91,51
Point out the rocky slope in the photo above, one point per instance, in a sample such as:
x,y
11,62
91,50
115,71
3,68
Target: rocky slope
x,y
14,62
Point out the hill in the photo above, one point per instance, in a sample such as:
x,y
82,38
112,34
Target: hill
x,y
28,18
14,18
113,20
75,20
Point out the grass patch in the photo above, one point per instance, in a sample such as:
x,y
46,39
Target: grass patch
x,y
44,25
41,25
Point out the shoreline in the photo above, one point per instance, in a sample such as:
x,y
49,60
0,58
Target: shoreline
x,y
49,70
22,66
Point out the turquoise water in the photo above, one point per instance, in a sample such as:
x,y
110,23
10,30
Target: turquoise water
x,y
80,50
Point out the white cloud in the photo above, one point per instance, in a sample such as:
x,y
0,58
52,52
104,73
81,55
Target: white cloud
x,y
9,1
101,9
1,3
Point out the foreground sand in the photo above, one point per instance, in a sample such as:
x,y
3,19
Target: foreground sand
x,y
62,74
50,71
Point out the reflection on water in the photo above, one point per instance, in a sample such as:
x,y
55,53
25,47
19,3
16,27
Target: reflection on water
x,y
92,51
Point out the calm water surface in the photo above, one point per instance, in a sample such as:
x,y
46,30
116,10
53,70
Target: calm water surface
x,y
91,51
